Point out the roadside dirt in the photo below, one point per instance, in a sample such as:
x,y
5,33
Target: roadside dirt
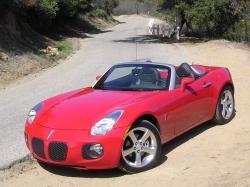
x,y
206,156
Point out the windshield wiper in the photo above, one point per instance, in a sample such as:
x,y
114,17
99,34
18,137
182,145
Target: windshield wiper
x,y
127,89
136,89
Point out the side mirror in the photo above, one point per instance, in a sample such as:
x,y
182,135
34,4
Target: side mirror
x,y
98,77
186,81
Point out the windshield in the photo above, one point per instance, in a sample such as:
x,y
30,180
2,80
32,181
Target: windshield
x,y
135,77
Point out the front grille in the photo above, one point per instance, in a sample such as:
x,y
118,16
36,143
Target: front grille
x,y
58,151
38,147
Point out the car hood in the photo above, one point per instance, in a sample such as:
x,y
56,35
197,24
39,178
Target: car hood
x,y
81,110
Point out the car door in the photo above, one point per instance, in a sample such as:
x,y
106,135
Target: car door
x,y
190,106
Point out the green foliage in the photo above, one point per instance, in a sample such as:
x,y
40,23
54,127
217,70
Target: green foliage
x,y
209,17
107,5
43,14
61,8
212,18
47,8
100,13
71,8
68,8
65,48
240,31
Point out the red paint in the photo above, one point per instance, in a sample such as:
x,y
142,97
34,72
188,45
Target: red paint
x,y
164,75
98,77
185,82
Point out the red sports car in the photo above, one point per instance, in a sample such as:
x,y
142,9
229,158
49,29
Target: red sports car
x,y
123,120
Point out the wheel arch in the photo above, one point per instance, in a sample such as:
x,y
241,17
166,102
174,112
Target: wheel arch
x,y
227,84
222,87
149,117
217,117
218,92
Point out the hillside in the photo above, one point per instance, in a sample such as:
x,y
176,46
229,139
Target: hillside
x,y
24,49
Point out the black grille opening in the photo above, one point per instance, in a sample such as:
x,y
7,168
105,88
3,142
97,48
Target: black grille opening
x,y
58,151
38,147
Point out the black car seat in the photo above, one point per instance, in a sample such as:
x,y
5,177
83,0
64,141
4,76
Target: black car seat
x,y
185,70
198,73
148,76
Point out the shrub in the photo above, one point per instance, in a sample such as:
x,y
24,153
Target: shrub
x,y
65,48
107,5
71,8
48,9
212,18
100,13
240,31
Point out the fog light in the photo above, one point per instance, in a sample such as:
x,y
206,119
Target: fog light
x,y
92,151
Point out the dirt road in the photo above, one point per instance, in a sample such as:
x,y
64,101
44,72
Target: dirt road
x,y
206,156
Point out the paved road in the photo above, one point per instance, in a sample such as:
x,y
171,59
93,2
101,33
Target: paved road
x,y
96,55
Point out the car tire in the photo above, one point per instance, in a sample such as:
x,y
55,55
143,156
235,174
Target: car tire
x,y
141,148
225,108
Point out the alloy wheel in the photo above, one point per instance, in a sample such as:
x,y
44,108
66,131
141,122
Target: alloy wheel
x,y
227,103
140,147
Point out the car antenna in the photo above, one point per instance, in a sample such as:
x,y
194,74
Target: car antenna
x,y
136,46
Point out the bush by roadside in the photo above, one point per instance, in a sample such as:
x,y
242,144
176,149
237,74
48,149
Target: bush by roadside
x,y
228,19
61,50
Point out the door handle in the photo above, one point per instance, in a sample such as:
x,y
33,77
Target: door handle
x,y
206,84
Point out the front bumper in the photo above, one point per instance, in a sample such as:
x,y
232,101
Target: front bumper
x,y
74,140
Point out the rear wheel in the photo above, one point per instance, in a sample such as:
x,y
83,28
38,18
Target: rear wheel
x,y
141,148
225,109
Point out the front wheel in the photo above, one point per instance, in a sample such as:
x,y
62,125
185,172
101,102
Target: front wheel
x,y
141,148
225,109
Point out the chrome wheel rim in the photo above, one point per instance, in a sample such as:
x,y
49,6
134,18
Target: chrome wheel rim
x,y
139,147
227,102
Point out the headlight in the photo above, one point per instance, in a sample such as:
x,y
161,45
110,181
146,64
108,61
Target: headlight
x,y
33,112
106,124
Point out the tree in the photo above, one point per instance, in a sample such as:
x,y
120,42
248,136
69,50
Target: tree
x,y
211,18
71,8
206,17
107,5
